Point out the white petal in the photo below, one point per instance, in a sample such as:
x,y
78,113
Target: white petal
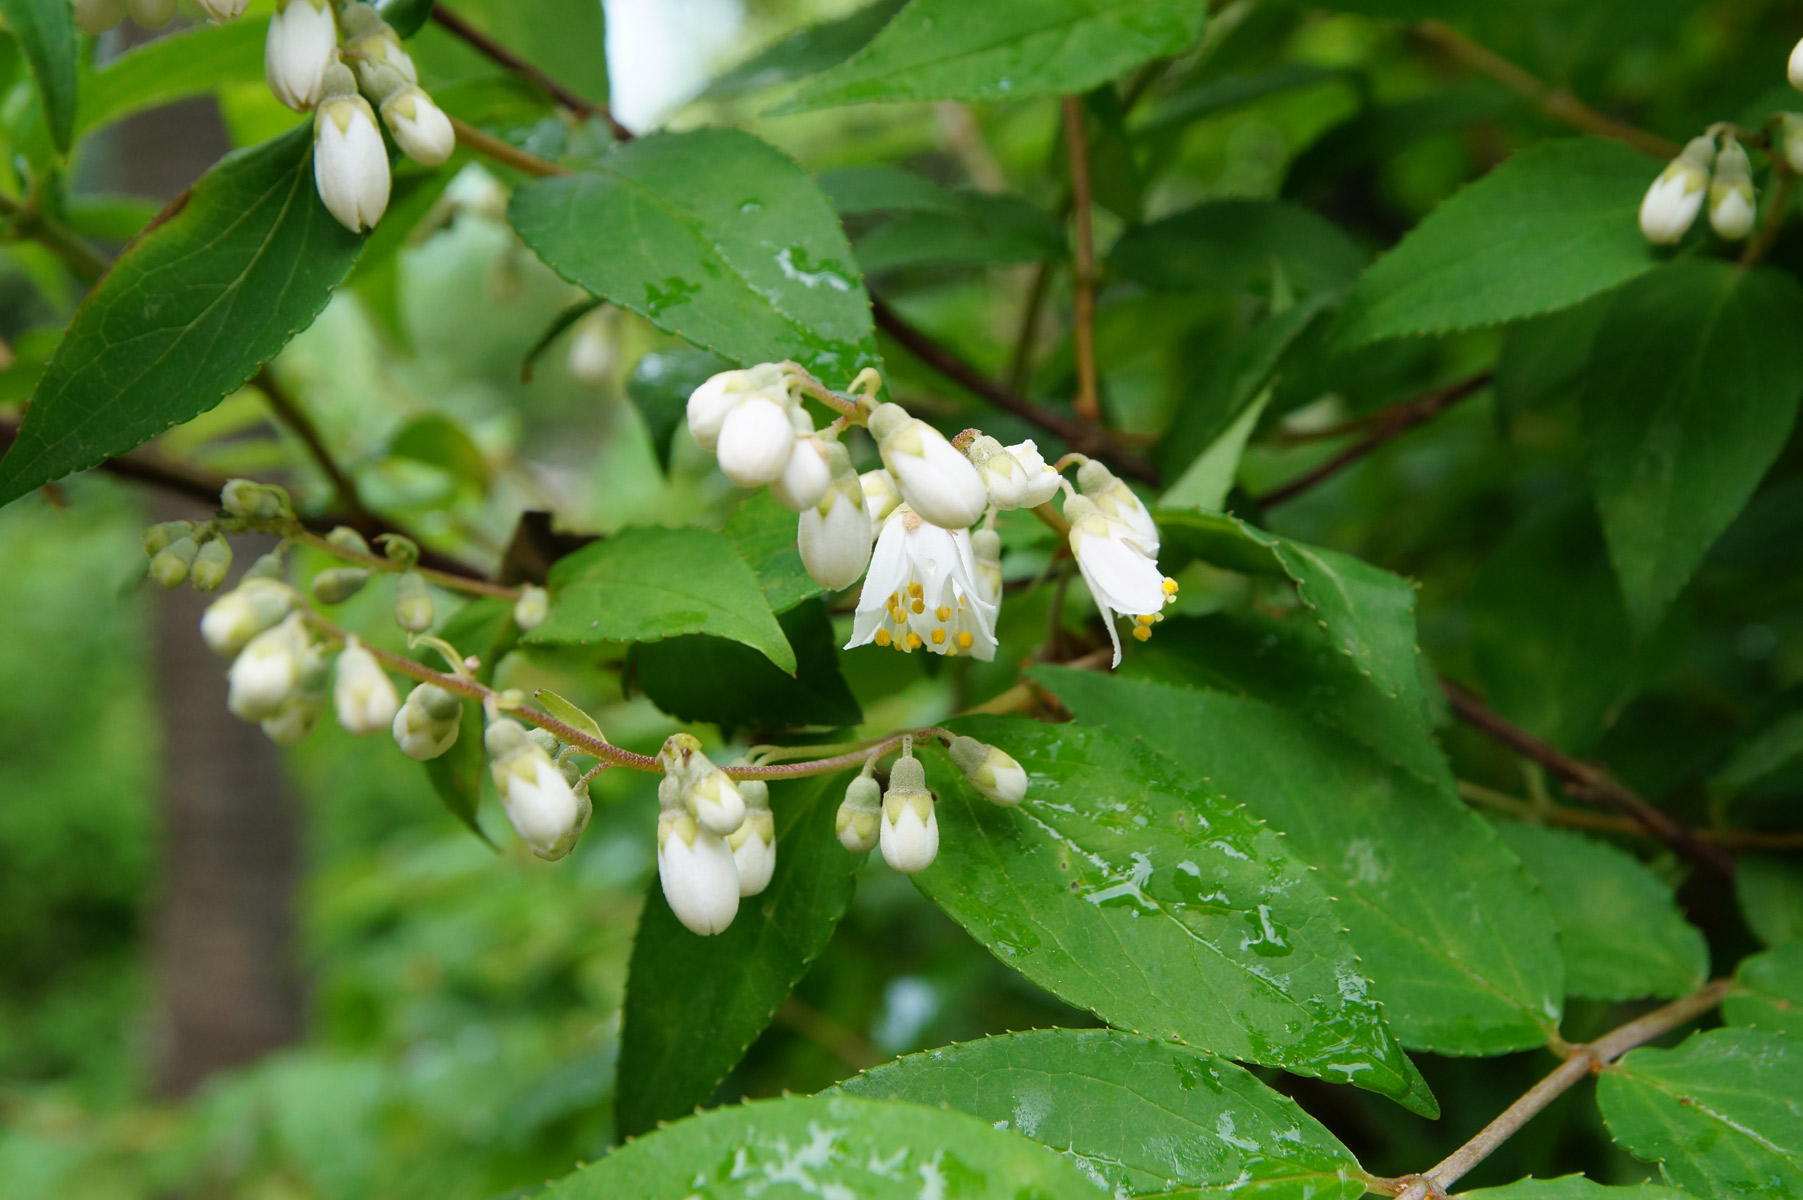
x,y
910,844
1671,205
939,483
700,881
835,547
755,442
805,476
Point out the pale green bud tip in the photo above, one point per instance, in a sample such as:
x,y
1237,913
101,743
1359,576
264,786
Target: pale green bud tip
x,y
887,421
339,584
755,793
505,740
158,537
170,566
254,501
995,774
413,610
346,538
269,566
907,775
544,739
1093,476
338,81
211,564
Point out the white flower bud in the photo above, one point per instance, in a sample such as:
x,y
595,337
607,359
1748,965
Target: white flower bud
x,y
591,353
221,11
1042,480
753,844
420,127
151,14
272,667
413,608
1117,500
706,790
696,868
993,773
835,535
295,720
338,584
363,697
1676,197
1002,473
1795,68
531,609
710,403
254,501
986,552
860,815
302,46
374,46
534,793
427,723
1731,209
171,564
881,496
1789,140
910,827
211,564
936,481
98,16
805,477
244,612
756,440
350,163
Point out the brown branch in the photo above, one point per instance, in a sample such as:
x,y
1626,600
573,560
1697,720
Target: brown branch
x,y
1595,822
1587,781
1555,102
471,138
1777,204
1385,427
1087,439
455,25
301,426
1083,271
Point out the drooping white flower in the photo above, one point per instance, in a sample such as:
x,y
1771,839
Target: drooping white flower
x,y
860,815
1795,68
700,880
935,480
756,440
1731,208
923,591
363,695
835,535
1002,474
1117,500
151,14
880,495
1672,203
222,10
302,46
244,612
993,773
273,666
753,844
98,16
704,789
910,826
1119,569
427,723
419,126
350,163
534,793
1042,480
805,477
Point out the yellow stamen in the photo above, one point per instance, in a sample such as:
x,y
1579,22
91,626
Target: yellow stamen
x,y
938,637
918,605
913,639
882,637
914,589
1142,620
943,612
964,640
1142,633
1170,586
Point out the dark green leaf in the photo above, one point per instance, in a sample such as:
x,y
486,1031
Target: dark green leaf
x,y
1691,391
1228,92
644,585
660,386
1552,226
1543,358
1004,50
405,15
1772,749
1572,1187
1142,1118
187,314
1769,991
744,257
1234,245
1770,892
1722,1114
1123,885
985,229
46,32
1464,959
1384,131
1620,929
710,679
828,1146
766,534
695,1004
808,51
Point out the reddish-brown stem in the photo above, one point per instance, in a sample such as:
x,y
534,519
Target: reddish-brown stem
x,y
1088,404
1582,818
451,23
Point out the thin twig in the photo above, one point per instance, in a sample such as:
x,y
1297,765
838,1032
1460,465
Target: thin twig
x,y
1595,822
450,580
1586,781
1385,427
471,138
290,414
29,222
1777,212
451,23
1555,102
1020,363
1088,404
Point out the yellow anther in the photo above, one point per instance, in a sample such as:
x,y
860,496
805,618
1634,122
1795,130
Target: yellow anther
x,y
943,612
913,639
938,637
882,637
914,589
894,599
1170,586
964,640
896,615
918,605
1143,633
1142,619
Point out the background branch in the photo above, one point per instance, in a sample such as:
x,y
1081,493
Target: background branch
x,y
1083,278
1582,818
455,25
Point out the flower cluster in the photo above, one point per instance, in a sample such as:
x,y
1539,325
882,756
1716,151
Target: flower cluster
x,y
931,582
336,64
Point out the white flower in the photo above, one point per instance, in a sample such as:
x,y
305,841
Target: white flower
x,y
923,590
151,13
934,479
271,668
363,697
710,403
244,612
302,45
1117,500
1118,567
1795,70
222,10
531,609
835,535
426,725
753,844
1042,481
1731,193
704,789
756,440
910,827
534,793
98,16
993,773
1676,197
860,815
1001,473
420,128
350,163
696,868
295,720
805,477
880,495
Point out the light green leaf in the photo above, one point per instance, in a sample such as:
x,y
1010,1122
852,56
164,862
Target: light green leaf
x,y
1770,893
569,713
1140,1117
1553,225
1691,391
1004,50
1769,991
1619,927
694,1004
1463,958
1210,476
744,257
1125,886
643,585
567,39
1572,1187
187,314
193,62
833,1146
808,51
438,441
46,32
1233,245
1722,1114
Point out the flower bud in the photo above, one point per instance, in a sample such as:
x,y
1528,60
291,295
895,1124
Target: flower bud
x,y
211,564
881,496
159,537
934,479
1002,474
1795,67
98,16
713,401
590,358
255,605
346,538
350,163
371,43
537,799
295,720
531,609
413,609
1788,140
420,128
339,584
997,775
1673,201
705,789
1042,480
364,698
302,46
910,828
986,552
1117,500
254,501
272,668
834,536
427,723
805,477
1731,208
151,14
170,566
756,441
221,11
696,869
860,815
753,843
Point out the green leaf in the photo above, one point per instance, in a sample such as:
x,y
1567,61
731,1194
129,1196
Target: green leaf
x,y
187,314
983,230
1463,958
644,585
1572,1187
831,1146
566,39
438,441
1235,245
1140,1117
808,51
767,535
194,62
660,386
46,32
1621,931
1768,991
483,627
711,679
1125,886
1767,752
693,1004
1209,479
569,713
1722,1114
405,15
1691,391
1770,893
744,257
1004,50
1555,224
